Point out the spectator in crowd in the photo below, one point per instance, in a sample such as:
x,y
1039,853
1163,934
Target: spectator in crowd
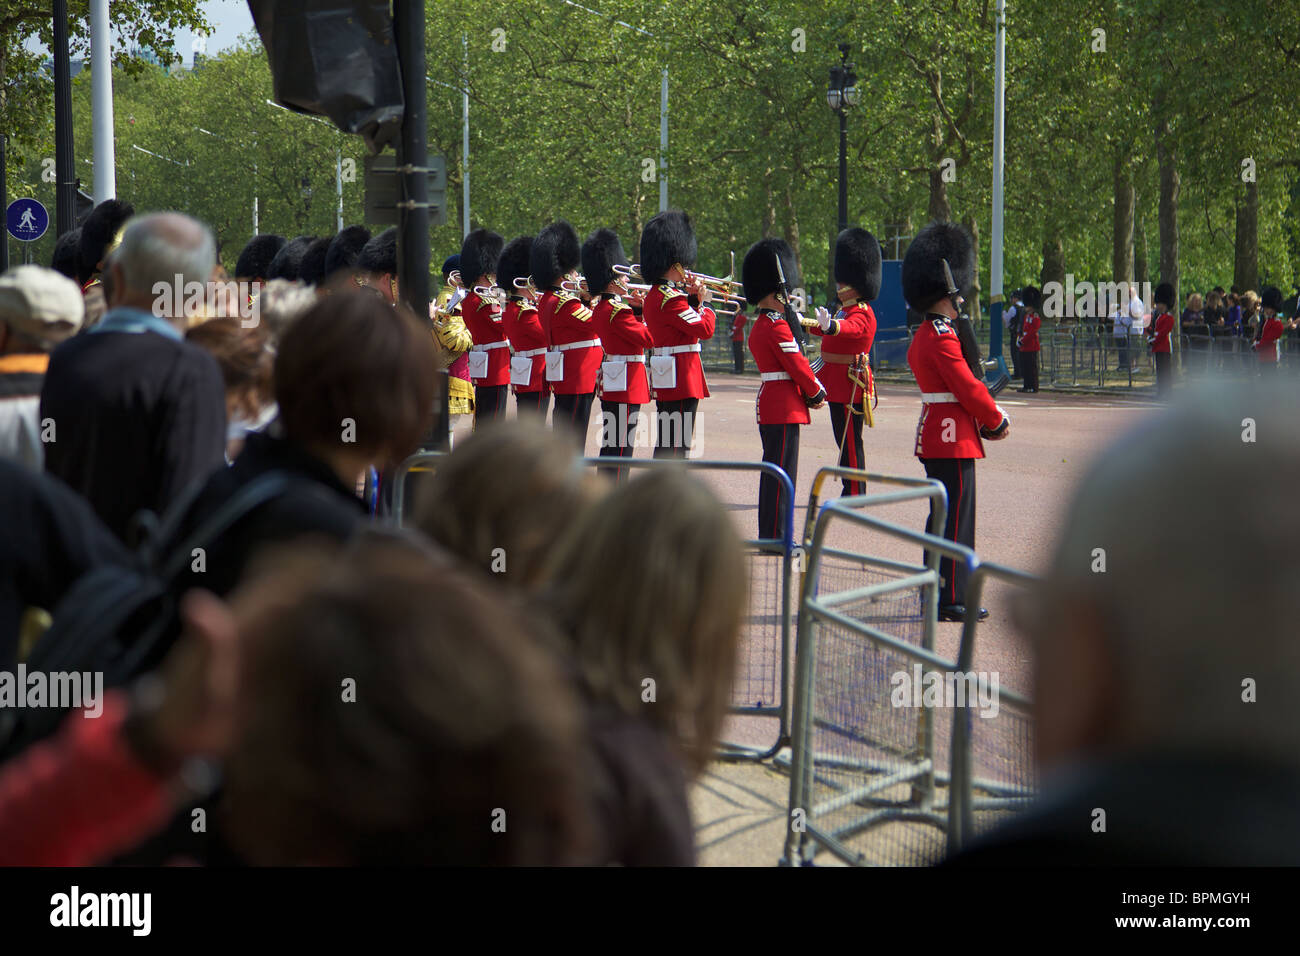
x,y
649,589
51,538
288,261
64,259
255,259
246,359
1011,321
1234,312
738,340
1198,334
100,234
38,310
1187,742
279,304
1122,327
1250,315
502,500
138,413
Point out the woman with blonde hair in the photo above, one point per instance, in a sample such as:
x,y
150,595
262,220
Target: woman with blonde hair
x,y
649,592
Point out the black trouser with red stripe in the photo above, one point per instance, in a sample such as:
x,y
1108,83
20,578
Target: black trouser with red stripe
x,y
490,403
617,434
1164,373
1029,363
533,403
675,427
573,412
781,448
958,476
851,448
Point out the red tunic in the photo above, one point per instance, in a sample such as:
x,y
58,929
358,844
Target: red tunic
x,y
781,400
1267,346
483,320
1162,327
948,428
675,324
856,331
738,327
623,333
1029,326
524,330
568,322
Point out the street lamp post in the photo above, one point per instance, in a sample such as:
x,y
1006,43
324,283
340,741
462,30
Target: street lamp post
x,y
841,93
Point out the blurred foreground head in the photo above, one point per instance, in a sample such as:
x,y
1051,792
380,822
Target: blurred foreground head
x,y
651,583
1169,622
394,709
504,497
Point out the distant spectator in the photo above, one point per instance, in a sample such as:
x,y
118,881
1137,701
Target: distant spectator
x,y
246,360
1234,312
502,500
1197,331
1122,328
1250,315
38,309
1188,741
649,587
139,413
1011,321
280,303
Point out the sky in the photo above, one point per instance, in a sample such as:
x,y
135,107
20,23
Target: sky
x,y
229,18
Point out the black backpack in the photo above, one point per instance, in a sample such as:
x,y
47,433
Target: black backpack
x,y
121,619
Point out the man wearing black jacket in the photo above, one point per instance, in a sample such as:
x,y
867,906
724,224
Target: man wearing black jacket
x,y
138,414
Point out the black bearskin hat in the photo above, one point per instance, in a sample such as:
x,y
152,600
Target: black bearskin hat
x,y
64,260
555,252
379,255
287,263
600,253
312,268
1271,298
857,261
1164,295
667,239
345,249
924,282
759,274
97,232
1031,297
255,258
479,254
514,263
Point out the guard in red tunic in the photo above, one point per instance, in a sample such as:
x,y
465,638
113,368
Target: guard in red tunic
x,y
1271,330
956,407
846,345
573,360
738,323
524,330
624,386
1027,341
1160,334
676,313
788,386
489,358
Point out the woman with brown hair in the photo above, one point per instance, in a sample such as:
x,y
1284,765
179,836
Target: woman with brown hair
x,y
648,589
246,361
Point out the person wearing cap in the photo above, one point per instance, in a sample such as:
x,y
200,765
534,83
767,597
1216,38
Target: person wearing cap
x,y
1011,325
38,309
1160,335
846,346
1027,340
1271,329
788,388
957,410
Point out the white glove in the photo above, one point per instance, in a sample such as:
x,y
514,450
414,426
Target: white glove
x,y
823,318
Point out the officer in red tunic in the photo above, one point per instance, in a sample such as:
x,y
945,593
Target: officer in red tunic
x,y
1027,340
956,407
738,323
1160,334
676,313
788,386
846,344
573,359
489,358
1271,330
524,330
624,386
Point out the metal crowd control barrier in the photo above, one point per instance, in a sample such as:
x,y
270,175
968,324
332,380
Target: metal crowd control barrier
x,y
860,765
763,679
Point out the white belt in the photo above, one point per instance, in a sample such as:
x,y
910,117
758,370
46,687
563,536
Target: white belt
x,y
624,358
677,349
931,398
588,344
487,346
775,377
530,353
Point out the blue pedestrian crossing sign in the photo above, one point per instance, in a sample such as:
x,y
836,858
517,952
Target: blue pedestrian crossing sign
x,y
27,220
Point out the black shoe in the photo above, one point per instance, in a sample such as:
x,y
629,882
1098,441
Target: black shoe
x,y
1026,390
957,612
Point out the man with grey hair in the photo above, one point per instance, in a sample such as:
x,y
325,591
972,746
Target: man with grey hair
x,y
1167,677
136,413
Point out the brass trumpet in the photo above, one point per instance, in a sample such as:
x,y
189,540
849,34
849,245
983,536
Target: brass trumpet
x,y
632,272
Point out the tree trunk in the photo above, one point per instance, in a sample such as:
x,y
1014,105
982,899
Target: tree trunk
x,y
769,207
1245,268
939,210
1053,265
1122,233
1141,269
973,294
1169,184
792,233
